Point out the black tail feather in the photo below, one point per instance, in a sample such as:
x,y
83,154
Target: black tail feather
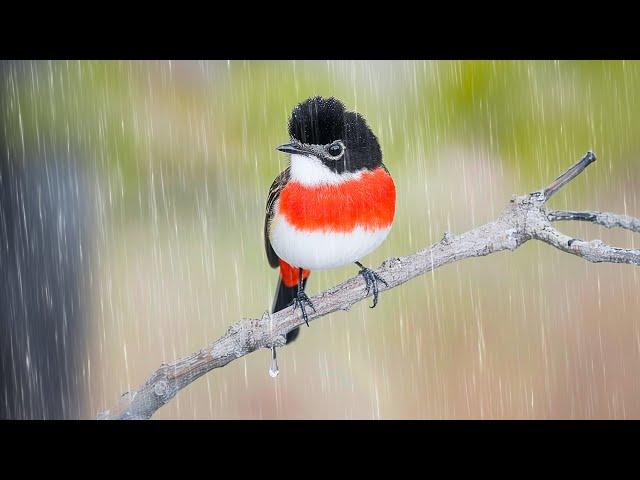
x,y
284,298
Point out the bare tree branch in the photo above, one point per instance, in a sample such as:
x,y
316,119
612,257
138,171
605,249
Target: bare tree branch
x,y
606,219
525,218
569,175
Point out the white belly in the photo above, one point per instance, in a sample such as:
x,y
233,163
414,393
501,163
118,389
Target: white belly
x,y
322,250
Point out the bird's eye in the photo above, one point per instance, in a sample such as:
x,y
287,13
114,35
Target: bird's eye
x,y
335,149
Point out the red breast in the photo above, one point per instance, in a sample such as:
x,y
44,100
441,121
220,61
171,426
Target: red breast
x,y
368,201
290,274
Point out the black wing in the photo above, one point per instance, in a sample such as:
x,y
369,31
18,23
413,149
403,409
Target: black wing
x,y
274,193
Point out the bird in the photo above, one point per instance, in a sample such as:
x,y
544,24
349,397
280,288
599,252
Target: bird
x,y
333,205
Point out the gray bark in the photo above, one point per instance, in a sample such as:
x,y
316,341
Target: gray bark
x,y
606,219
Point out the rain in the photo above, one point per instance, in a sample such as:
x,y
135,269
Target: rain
x,y
132,199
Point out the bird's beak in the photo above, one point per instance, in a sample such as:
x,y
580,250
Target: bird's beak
x,y
290,148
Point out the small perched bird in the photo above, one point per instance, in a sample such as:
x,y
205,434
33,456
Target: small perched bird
x,y
333,205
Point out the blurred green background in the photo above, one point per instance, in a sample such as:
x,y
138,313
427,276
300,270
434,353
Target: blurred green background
x,y
181,155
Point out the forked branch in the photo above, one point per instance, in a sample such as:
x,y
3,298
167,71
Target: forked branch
x,y
524,219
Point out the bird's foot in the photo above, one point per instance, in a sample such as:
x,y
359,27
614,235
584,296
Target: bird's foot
x,y
300,301
371,278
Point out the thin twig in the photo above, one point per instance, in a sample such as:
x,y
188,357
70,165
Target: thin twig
x,y
525,218
569,175
606,219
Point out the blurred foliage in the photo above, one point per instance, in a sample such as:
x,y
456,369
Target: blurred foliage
x,y
534,115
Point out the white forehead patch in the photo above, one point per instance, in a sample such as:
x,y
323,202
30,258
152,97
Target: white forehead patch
x,y
309,170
